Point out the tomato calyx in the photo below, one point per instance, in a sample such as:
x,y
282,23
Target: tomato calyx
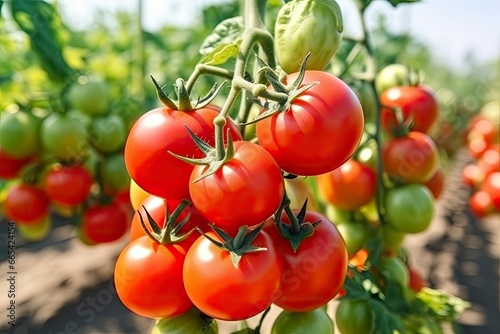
x,y
238,246
184,102
215,157
402,126
298,229
169,234
290,92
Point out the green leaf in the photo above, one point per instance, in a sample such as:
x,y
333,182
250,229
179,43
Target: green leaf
x,y
221,54
386,321
441,304
41,22
1,4
228,32
397,2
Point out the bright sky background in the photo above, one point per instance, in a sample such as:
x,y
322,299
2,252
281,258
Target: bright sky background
x,y
450,27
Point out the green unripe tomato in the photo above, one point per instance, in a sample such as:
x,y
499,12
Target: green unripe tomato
x,y
304,26
84,119
19,134
114,173
108,133
317,322
391,76
354,317
367,98
392,238
395,270
409,208
355,236
64,137
91,98
188,323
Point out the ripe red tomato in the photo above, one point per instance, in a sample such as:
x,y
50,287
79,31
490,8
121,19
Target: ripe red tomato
x,y
316,272
104,223
417,281
491,186
156,207
246,190
26,204
162,130
489,161
481,204
418,102
348,187
148,278
472,175
67,185
484,129
436,183
224,292
413,158
321,129
476,147
10,166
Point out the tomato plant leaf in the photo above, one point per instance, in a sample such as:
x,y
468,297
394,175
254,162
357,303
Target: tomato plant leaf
x,y
225,33
386,321
1,4
441,304
221,54
41,22
397,2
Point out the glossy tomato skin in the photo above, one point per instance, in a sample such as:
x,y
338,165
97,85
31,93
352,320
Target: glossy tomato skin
x,y
137,195
354,317
348,187
26,204
156,207
418,102
67,185
413,158
244,191
148,278
316,272
161,130
319,132
10,166
409,208
104,223
224,292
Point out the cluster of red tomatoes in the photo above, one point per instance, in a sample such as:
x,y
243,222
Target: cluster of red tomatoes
x,y
254,250
483,175
70,162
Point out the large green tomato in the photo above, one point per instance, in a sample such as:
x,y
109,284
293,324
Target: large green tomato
x,y
305,26
354,316
84,119
108,133
19,134
409,208
190,322
355,235
317,322
91,98
114,173
392,238
394,270
391,76
64,137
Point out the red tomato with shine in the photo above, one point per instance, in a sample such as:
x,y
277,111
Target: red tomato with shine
x,y
481,204
246,190
348,187
148,278
26,204
104,223
224,292
156,207
162,130
413,158
491,186
418,102
489,161
316,272
67,185
321,129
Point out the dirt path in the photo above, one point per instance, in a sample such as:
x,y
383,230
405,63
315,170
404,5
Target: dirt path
x,y
66,287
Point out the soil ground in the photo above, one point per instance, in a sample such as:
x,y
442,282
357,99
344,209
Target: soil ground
x,y
63,286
